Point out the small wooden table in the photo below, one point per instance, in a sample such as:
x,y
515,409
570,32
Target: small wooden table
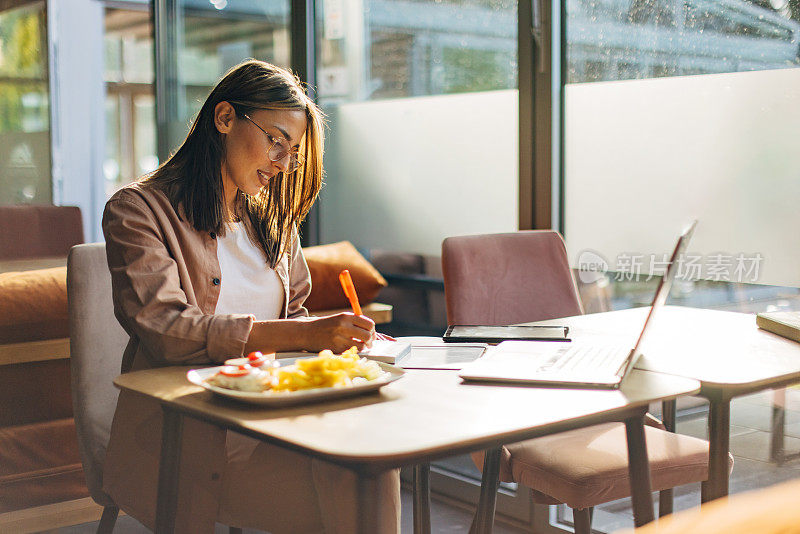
x,y
427,415
30,264
378,312
725,351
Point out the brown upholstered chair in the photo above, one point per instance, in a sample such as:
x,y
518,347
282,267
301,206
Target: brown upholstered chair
x,y
39,231
501,279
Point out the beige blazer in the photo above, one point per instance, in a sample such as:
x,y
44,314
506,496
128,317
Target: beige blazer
x,y
166,283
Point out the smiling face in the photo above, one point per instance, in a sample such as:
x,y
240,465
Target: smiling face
x,y
246,166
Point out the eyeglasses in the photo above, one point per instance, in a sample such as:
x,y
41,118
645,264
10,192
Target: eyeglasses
x,y
279,149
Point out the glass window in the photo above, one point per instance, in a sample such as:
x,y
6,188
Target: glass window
x,y
144,120
215,35
658,38
130,113
24,106
410,89
680,110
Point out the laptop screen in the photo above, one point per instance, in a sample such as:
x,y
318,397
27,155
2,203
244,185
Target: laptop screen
x,y
660,297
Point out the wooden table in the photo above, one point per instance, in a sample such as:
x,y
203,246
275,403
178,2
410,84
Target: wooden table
x,y
725,351
30,264
424,416
378,312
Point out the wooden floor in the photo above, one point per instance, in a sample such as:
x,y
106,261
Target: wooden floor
x,y
50,518
445,520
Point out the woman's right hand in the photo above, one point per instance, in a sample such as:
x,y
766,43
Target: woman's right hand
x,y
339,332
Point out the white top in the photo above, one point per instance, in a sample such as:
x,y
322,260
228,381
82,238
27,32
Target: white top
x,y
248,285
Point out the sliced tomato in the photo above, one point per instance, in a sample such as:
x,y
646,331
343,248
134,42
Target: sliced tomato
x,y
257,359
235,371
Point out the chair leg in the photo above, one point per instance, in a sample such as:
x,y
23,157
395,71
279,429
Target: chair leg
x,y
107,520
484,516
583,520
664,502
422,498
668,415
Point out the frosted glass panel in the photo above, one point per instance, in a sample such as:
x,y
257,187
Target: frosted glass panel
x,y
404,174
645,156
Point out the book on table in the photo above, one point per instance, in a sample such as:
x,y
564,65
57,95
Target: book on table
x,y
783,323
386,351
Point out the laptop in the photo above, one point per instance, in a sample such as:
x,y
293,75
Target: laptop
x,y
587,365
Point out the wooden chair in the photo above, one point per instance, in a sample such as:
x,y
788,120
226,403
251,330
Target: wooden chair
x,y
501,279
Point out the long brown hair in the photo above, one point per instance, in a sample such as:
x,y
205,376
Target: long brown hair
x,y
192,177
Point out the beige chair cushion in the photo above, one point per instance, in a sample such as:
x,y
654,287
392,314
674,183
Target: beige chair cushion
x,y
589,466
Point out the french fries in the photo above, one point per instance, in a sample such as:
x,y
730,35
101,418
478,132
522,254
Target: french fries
x,y
325,371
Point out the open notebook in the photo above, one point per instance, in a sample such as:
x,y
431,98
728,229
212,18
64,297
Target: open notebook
x,y
383,351
417,353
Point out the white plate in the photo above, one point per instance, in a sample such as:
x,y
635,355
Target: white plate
x,y
199,376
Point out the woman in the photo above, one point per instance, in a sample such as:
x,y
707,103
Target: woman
x,y
206,265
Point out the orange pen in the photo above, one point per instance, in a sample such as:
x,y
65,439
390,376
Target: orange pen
x,y
350,291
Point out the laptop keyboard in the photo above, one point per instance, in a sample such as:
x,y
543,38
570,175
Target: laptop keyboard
x,y
608,359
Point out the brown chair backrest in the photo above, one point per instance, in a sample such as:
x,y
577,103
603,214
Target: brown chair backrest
x,y
501,279
38,231
97,342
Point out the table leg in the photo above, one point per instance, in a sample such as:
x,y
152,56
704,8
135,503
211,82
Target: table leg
x,y
369,508
776,450
422,498
669,414
484,515
166,504
719,425
639,471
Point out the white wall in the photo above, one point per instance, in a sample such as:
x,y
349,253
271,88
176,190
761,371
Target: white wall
x,y
77,104
645,156
404,174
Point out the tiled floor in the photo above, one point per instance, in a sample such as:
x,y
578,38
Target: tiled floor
x,y
750,438
750,441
